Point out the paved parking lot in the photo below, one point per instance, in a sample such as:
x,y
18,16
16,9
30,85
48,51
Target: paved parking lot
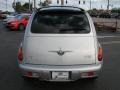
x,y
10,74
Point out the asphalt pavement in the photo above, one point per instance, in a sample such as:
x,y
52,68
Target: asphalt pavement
x,y
10,77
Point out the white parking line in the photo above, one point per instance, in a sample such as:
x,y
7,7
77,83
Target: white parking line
x,y
108,36
111,42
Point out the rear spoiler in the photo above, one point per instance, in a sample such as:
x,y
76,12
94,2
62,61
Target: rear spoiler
x,y
38,9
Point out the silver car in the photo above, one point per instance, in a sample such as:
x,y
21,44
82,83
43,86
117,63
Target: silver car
x,y
60,44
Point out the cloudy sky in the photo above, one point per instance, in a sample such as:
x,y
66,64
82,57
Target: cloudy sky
x,y
95,3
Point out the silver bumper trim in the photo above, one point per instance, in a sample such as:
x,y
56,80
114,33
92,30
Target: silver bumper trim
x,y
80,68
44,72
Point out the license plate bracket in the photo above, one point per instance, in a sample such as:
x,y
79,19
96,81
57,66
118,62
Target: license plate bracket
x,y
60,75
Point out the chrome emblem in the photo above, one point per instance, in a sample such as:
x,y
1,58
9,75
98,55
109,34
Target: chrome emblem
x,y
60,52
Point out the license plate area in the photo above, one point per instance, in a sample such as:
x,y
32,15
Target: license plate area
x,y
60,75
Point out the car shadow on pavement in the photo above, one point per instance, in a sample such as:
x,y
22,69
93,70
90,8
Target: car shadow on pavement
x,y
80,84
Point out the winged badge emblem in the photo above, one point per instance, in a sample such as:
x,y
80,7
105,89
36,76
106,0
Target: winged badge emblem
x,y
60,52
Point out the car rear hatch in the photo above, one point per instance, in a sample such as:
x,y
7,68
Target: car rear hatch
x,y
59,37
46,50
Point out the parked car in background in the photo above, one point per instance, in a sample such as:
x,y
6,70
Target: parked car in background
x,y
12,15
10,19
115,15
60,44
105,15
2,16
19,22
94,15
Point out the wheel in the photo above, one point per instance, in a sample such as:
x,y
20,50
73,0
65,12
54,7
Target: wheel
x,y
21,27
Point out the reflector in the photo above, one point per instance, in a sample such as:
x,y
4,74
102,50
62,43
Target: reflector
x,y
100,54
20,54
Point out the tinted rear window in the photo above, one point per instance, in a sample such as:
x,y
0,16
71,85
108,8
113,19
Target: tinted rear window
x,y
60,23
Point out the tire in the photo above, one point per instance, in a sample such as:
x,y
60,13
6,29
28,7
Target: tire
x,y
21,27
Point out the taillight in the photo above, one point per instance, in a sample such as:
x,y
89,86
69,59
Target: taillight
x,y
100,54
20,54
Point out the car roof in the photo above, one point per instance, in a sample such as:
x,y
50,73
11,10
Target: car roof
x,y
61,8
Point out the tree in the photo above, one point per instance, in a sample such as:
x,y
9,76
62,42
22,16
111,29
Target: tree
x,y
45,3
18,7
115,10
26,7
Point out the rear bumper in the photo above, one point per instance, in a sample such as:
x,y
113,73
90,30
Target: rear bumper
x,y
43,72
13,27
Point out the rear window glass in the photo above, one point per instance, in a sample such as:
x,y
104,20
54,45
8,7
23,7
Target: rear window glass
x,y
69,23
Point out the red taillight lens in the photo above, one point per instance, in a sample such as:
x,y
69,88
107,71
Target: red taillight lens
x,y
29,74
90,73
20,54
100,54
